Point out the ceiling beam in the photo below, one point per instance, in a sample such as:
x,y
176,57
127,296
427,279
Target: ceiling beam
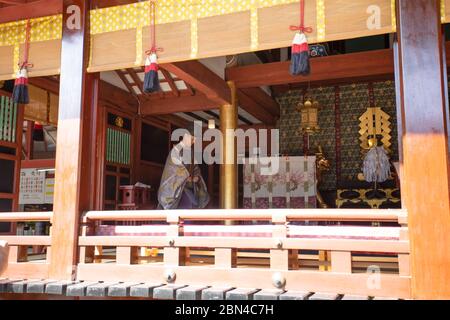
x,y
122,77
110,3
30,10
118,97
198,102
201,78
13,2
172,84
45,83
264,100
345,66
254,108
215,88
173,119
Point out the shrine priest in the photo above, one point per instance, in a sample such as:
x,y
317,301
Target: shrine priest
x,y
182,186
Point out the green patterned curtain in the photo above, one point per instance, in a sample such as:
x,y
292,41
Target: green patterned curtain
x,y
118,146
8,119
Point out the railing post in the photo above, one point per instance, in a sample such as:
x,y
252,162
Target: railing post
x,y
225,258
404,259
279,257
341,261
17,254
174,256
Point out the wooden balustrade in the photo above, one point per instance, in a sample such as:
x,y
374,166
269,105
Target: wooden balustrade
x,y
178,245
20,266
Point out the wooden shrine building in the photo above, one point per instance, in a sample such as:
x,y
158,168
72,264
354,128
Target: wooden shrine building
x,y
90,140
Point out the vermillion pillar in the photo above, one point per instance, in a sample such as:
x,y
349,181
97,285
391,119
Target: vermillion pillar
x,y
228,169
73,160
425,164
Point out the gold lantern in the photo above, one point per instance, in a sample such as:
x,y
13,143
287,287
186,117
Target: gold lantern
x,y
309,111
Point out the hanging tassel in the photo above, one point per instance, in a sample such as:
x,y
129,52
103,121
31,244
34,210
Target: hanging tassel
x,y
151,79
20,92
300,48
300,56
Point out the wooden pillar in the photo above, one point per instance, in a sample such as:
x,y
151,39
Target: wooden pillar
x,y
425,163
73,162
228,169
29,142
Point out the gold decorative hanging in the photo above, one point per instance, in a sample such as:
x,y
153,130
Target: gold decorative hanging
x,y
375,123
309,115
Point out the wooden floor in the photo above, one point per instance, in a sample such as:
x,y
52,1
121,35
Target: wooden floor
x,y
158,291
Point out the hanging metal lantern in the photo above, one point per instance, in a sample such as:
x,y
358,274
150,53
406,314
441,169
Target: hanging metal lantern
x,y
309,115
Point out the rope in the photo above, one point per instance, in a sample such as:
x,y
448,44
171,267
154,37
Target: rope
x,y
301,27
27,47
153,48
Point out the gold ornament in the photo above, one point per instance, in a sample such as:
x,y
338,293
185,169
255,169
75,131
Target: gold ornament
x,y
119,122
375,123
309,111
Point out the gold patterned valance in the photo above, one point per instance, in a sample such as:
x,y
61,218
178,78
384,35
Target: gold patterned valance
x,y
45,46
191,29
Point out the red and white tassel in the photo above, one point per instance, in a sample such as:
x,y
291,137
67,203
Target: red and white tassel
x,y
20,92
300,55
151,79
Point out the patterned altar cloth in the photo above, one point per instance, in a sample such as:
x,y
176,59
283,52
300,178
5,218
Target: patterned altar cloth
x,y
280,182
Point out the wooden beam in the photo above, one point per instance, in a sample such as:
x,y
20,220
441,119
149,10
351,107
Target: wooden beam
x,y
38,163
45,83
202,79
172,84
345,66
174,120
117,97
30,10
252,107
264,100
136,79
198,102
72,188
13,2
108,92
122,77
111,3
29,142
425,166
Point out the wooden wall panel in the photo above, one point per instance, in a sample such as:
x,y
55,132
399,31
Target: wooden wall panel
x,y
445,10
225,34
174,38
349,19
6,65
113,50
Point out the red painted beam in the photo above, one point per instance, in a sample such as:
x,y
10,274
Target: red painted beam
x,y
345,66
38,164
30,10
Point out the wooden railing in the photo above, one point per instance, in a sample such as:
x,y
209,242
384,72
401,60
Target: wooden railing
x,y
214,259
20,266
